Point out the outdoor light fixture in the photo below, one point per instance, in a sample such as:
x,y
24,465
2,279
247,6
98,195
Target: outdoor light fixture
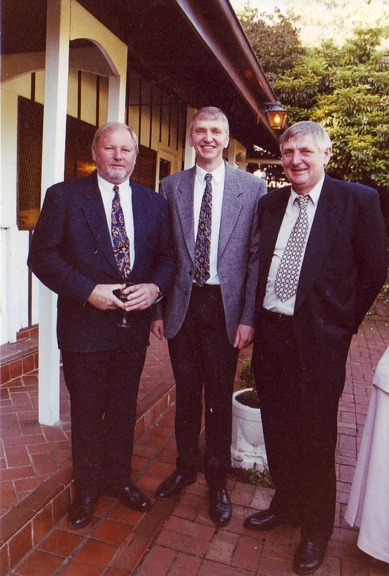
x,y
275,114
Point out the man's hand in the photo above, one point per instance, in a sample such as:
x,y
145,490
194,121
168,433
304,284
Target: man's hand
x,y
157,328
102,297
244,336
141,296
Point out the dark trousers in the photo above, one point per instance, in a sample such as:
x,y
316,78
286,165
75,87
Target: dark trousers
x,y
203,358
300,428
103,389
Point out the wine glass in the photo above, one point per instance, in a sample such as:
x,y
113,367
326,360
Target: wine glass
x,y
125,321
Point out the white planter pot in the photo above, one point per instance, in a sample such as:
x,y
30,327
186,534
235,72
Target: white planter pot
x,y
248,445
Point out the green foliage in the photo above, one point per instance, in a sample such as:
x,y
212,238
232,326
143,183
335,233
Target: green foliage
x,y
249,397
253,476
246,374
346,89
274,38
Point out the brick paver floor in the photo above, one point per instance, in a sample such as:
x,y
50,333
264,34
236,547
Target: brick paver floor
x,y
177,537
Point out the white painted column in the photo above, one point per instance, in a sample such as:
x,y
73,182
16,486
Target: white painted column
x,y
53,164
190,154
116,98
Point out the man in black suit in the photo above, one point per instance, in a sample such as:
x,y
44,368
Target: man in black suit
x,y
313,292
93,235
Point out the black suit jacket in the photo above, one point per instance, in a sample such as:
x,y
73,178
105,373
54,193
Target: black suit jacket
x,y
344,266
71,252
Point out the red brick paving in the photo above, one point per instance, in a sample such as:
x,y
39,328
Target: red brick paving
x,y
177,537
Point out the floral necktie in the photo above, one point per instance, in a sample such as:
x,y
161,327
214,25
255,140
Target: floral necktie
x,y
120,241
203,239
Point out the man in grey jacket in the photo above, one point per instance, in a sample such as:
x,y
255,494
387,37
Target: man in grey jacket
x,y
208,313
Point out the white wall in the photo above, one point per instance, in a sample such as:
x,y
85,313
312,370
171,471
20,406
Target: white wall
x,y
14,244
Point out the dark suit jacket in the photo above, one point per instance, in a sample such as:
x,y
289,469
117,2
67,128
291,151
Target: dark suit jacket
x,y
71,252
344,266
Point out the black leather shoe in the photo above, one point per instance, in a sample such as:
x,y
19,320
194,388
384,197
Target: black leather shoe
x,y
220,509
174,484
131,497
263,520
309,557
82,508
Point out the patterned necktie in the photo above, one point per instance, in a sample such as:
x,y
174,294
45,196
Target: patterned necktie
x,y
120,241
203,239
289,268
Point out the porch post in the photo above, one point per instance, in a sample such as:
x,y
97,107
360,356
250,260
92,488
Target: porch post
x,y
53,164
190,154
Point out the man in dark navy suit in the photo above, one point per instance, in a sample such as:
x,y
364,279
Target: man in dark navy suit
x,y
322,262
72,252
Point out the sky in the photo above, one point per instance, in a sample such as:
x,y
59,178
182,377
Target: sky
x,y
323,22
262,5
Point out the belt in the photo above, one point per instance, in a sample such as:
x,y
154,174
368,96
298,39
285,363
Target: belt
x,y
276,317
206,286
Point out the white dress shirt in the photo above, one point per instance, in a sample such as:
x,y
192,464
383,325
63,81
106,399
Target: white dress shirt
x,y
271,300
125,193
217,200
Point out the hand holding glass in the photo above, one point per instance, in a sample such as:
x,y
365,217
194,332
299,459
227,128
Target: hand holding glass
x,y
125,322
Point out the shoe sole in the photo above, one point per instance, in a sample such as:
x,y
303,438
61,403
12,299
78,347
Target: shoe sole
x,y
221,524
79,526
263,528
305,572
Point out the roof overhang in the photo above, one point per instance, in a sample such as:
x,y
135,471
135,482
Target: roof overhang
x,y
196,49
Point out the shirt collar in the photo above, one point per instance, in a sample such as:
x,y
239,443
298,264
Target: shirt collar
x,y
314,194
107,187
217,174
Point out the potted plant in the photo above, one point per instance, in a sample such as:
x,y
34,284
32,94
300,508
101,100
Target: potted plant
x,y
248,445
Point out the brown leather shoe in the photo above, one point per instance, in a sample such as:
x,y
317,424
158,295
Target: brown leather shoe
x,y
309,557
82,508
263,520
174,484
220,509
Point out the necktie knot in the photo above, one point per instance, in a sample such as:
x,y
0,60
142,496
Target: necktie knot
x,y
208,178
116,190
303,201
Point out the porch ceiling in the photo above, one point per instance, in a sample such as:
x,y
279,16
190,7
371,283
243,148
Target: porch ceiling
x,y
194,48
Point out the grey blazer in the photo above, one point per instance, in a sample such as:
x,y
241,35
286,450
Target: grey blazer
x,y
237,250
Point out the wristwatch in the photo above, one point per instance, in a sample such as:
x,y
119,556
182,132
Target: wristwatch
x,y
159,296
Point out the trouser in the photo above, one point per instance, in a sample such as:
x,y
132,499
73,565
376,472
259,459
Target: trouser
x,y
103,389
300,428
203,359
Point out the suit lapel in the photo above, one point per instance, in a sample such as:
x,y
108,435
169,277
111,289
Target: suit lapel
x,y
95,214
141,220
324,226
231,207
270,224
184,205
